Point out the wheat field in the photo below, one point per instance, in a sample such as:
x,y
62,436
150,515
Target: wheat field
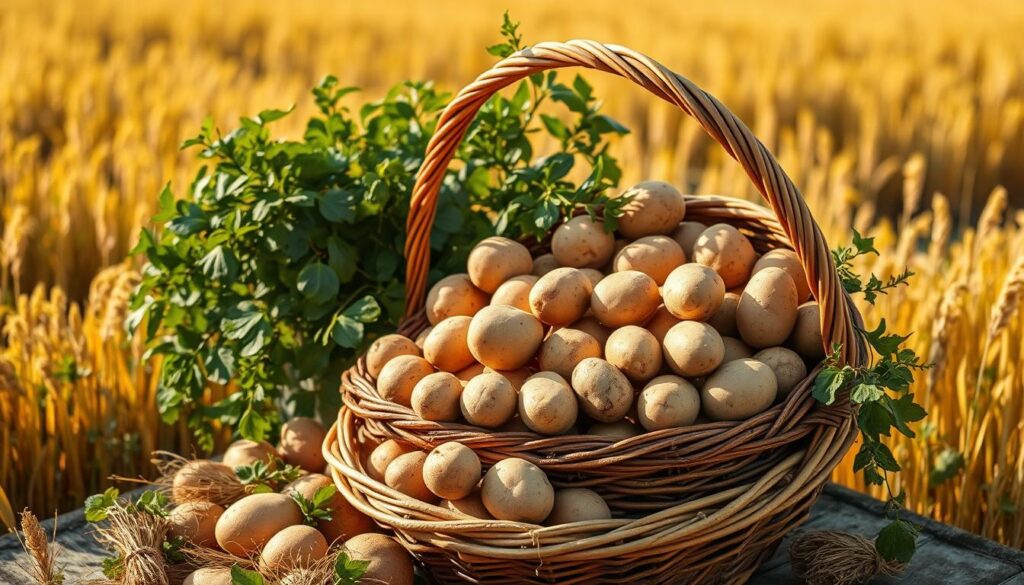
x,y
902,119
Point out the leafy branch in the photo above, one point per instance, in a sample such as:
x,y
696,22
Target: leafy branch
x,y
319,507
267,477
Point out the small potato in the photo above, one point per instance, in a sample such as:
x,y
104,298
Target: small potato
x,y
209,576
504,338
301,444
247,525
625,298
295,547
806,337
593,274
382,456
693,292
729,252
515,292
582,243
738,390
561,296
786,364
693,349
516,376
547,405
196,522
387,347
660,323
622,429
724,319
192,480
767,309
389,562
495,260
735,349
577,505
565,348
654,208
686,235
592,326
451,471
604,393
635,351
470,505
468,373
543,264
517,490
400,376
346,521
446,347
667,402
436,397
246,452
422,337
655,256
405,474
454,295
787,260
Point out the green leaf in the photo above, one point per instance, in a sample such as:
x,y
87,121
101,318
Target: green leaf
x,y
341,256
827,385
220,365
555,127
240,576
364,310
348,571
347,332
882,343
97,506
338,205
318,282
904,410
874,420
897,541
220,264
861,393
253,425
948,464
864,245
267,116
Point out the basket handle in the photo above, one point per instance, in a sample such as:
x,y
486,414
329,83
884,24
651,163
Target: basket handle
x,y
721,124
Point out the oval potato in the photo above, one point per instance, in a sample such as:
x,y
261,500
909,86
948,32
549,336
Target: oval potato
x,y
582,243
789,368
604,392
400,376
488,400
495,260
806,337
561,296
787,260
654,208
693,292
384,348
504,338
565,348
767,310
667,402
625,298
738,390
693,349
454,295
447,346
515,292
635,351
517,490
247,525
655,256
729,252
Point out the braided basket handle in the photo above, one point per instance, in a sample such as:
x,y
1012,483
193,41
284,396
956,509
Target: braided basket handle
x,y
721,124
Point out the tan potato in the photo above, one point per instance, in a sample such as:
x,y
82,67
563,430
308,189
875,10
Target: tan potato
x,y
196,522
387,347
729,252
451,471
454,295
660,323
806,336
604,393
295,547
400,376
389,562
192,480
246,452
686,234
495,260
468,373
405,474
515,292
789,368
654,208
247,525
787,260
421,338
346,521
635,351
577,505
470,505
504,338
382,456
735,349
517,490
515,425
655,256
622,429
593,327
582,243
738,390
693,292
447,347
301,444
625,298
436,397
565,348
667,402
516,376
209,576
608,268
543,264
767,309
561,296
724,319
547,404
693,349
592,274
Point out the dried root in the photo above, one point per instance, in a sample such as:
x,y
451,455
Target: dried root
x,y
137,538
837,558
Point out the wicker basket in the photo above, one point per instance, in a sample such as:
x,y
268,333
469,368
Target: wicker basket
x,y
701,504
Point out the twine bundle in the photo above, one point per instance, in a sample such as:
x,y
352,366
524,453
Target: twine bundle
x,y
837,558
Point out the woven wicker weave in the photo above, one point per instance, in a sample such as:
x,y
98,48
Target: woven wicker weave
x,y
702,504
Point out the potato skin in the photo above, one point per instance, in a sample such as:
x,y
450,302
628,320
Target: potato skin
x,y
724,319
582,243
635,351
515,292
346,521
767,310
594,328
470,505
400,376
504,338
668,402
787,260
245,452
295,547
604,392
693,292
453,295
301,444
451,471
517,490
547,404
729,252
693,349
738,390
565,348
789,368
436,397
489,400
389,562
249,523
386,347
495,260
735,349
405,474
196,522
561,296
382,456
625,298
655,256
446,347
543,264
577,505
208,576
654,208
806,337
660,323
686,234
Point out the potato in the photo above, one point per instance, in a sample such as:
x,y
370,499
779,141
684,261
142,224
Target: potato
x,y
209,576
515,292
667,402
724,319
561,296
295,547
301,444
543,264
786,364
405,474
625,298
686,234
660,323
582,243
446,346
655,256
192,480
517,490
635,351
247,525
604,393
504,338
422,337
693,349
693,292
516,376
738,390
495,260
787,260
246,452
654,208
766,312
196,522
436,397
565,348
735,349
468,373
515,425
547,404
382,456
346,521
592,274
622,429
470,505
806,336
454,295
592,326
577,505
387,347
729,252
389,562
451,471
400,376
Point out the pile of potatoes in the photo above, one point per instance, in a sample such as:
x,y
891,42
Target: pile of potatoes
x,y
270,527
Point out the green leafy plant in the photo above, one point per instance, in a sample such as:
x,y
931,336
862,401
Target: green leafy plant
x,y
152,502
266,477
319,507
348,571
240,576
